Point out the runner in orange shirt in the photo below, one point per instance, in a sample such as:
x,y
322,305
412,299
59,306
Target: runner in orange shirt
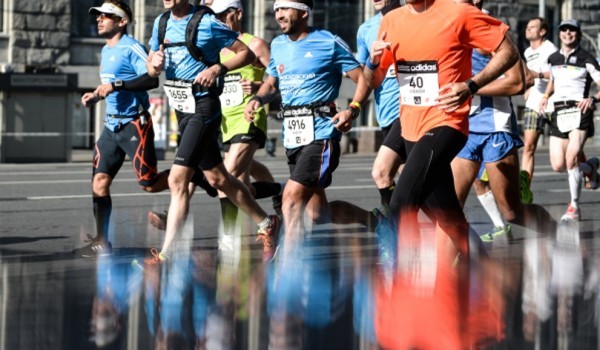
x,y
430,43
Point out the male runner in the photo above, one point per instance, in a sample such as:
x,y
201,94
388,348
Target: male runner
x,y
573,70
306,66
191,86
391,154
128,125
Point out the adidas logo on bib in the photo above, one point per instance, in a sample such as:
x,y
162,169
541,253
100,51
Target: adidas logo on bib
x,y
308,55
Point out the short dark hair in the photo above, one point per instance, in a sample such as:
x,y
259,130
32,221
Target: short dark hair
x,y
543,24
308,3
123,6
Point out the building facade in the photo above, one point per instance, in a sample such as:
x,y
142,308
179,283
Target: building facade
x,y
59,37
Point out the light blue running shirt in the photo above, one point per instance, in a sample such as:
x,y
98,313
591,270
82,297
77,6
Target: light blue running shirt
x,y
125,61
387,95
490,113
310,71
213,35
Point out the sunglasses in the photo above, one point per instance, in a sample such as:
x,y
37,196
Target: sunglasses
x,y
569,28
104,16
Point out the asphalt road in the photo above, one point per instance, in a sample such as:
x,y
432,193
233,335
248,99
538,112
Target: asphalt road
x,y
46,208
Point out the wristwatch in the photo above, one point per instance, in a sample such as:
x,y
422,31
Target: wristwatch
x,y
594,99
355,112
540,75
473,87
117,84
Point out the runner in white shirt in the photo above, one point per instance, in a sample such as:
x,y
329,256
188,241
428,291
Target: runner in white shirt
x,y
572,71
536,56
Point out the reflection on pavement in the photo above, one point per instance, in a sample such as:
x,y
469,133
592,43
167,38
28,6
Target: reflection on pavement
x,y
343,286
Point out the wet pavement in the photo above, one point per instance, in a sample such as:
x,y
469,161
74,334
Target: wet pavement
x,y
342,286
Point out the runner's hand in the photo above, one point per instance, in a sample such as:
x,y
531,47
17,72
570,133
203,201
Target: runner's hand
x,y
104,90
585,104
89,99
250,110
250,87
158,59
208,76
342,120
377,49
452,96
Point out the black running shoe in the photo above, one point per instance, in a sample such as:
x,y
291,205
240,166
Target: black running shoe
x,y
97,247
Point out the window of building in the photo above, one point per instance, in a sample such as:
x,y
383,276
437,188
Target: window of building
x,y
341,17
83,25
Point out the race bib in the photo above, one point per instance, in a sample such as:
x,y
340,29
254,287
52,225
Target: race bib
x,y
180,96
232,94
418,82
568,119
298,127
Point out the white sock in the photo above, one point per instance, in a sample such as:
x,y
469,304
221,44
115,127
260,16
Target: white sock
x,y
488,202
265,222
575,185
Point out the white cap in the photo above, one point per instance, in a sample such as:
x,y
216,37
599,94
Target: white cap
x,y
110,9
220,6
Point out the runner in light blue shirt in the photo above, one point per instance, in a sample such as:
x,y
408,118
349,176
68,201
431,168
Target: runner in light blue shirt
x,y
307,66
392,153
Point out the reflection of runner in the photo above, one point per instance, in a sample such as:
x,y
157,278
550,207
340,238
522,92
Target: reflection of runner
x,y
391,154
572,71
118,286
191,85
128,125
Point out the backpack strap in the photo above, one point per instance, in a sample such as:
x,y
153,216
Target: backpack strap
x,y
162,27
191,33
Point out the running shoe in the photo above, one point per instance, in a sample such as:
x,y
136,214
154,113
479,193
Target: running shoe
x,y
592,178
572,213
158,219
96,247
497,232
526,194
156,258
270,237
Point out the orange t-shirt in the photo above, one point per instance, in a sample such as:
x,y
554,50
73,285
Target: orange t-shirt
x,y
431,49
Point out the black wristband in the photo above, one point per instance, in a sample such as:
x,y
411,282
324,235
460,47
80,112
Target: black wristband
x,y
355,111
473,87
540,75
257,98
223,68
594,99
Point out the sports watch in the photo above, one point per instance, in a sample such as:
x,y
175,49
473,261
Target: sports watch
x,y
117,84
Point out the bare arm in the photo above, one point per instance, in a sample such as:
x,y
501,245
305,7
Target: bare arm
x,y
547,94
453,95
263,54
265,94
343,120
512,83
156,62
243,57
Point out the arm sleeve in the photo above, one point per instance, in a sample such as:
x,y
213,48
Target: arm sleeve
x,y
142,83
